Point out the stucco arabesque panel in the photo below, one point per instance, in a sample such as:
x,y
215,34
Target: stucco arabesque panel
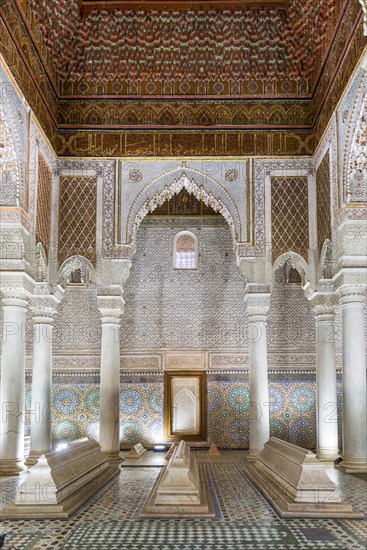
x,y
226,180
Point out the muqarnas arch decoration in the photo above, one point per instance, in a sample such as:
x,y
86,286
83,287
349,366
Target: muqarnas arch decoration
x,y
211,192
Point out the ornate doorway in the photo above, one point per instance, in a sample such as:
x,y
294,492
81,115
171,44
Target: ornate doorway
x,y
185,405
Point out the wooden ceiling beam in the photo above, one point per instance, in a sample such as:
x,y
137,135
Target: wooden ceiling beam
x,y
86,6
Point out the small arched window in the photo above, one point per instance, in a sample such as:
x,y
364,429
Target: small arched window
x,y
185,251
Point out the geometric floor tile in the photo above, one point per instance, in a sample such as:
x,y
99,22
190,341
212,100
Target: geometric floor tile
x,y
317,533
178,535
245,520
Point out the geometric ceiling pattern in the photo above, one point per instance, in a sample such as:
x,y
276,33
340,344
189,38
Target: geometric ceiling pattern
x,y
172,78
235,51
238,51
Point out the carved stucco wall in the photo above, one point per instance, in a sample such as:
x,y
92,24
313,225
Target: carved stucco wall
x,y
15,114
347,117
77,324
178,309
290,321
172,308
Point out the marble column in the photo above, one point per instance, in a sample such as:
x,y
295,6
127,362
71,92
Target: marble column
x,y
353,300
14,303
41,443
326,402
111,308
257,306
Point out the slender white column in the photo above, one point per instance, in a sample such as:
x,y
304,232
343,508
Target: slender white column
x,y
353,300
111,309
257,306
12,382
326,418
41,385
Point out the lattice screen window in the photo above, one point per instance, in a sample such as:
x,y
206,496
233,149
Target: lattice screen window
x,y
43,218
323,201
78,209
289,215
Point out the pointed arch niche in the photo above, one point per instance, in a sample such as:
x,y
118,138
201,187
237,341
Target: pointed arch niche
x,y
163,188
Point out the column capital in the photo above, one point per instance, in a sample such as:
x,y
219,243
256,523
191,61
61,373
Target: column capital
x,y
355,276
43,315
257,302
352,294
43,305
323,305
14,297
111,308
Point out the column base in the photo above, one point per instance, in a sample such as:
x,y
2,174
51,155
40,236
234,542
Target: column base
x,y
11,467
33,457
327,455
113,456
352,465
253,454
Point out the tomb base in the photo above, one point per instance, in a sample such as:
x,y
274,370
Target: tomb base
x,y
180,490
296,484
61,482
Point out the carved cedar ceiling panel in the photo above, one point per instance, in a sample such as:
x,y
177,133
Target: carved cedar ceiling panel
x,y
78,212
289,215
151,52
298,58
323,201
43,217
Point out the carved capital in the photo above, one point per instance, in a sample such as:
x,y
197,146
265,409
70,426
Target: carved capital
x,y
43,316
44,305
257,303
14,297
323,306
350,294
111,308
350,278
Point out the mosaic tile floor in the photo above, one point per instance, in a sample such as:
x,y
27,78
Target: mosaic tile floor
x,y
109,520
